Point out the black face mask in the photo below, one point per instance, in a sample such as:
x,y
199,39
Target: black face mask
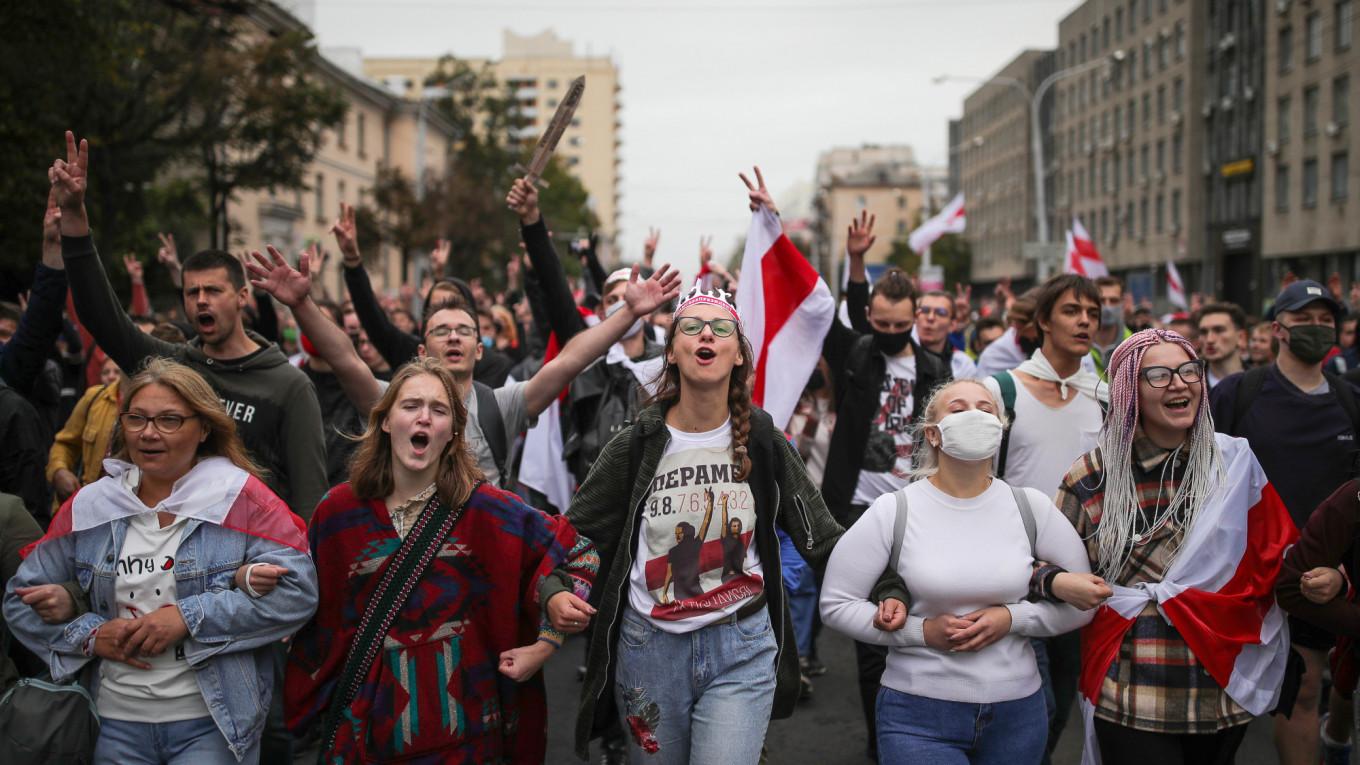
x,y
816,382
1311,342
891,343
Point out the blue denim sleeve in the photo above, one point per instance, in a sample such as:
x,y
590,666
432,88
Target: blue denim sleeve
x,y
60,645
224,621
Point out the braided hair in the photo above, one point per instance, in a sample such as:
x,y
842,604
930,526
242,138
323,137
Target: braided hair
x,y
1120,507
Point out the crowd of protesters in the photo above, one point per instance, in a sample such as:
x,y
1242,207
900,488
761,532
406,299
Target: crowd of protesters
x,y
257,523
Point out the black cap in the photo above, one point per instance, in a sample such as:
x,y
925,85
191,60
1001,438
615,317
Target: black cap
x,y
1303,292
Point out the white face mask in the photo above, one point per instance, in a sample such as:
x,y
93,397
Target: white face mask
x,y
970,436
619,306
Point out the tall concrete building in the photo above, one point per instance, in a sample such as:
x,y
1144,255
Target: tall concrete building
x,y
886,181
996,166
1308,218
538,69
1129,134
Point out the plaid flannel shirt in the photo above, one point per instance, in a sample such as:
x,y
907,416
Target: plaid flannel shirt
x,y
1155,682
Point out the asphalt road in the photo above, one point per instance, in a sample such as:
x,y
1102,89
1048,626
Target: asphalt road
x,y
827,730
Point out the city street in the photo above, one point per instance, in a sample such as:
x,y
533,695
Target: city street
x,y
826,730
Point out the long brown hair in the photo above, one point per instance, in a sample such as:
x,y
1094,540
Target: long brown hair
x,y
669,390
222,440
370,469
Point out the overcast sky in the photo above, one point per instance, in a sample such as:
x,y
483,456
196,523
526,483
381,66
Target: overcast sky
x,y
712,86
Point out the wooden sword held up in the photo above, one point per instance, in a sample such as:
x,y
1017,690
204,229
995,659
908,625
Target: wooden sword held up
x,y
547,143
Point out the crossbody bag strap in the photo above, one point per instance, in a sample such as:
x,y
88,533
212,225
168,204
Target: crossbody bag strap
x,y
1027,518
400,577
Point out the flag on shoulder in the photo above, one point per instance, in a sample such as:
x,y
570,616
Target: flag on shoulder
x,y
951,220
786,309
1082,256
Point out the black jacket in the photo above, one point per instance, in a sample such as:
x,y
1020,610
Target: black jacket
x,y
857,371
602,400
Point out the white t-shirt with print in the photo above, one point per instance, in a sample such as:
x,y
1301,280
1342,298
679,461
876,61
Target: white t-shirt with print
x,y
144,581
895,405
696,558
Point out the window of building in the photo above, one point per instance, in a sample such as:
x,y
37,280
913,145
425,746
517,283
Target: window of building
x,y
1163,53
1129,117
1282,121
1160,214
1147,109
552,84
340,191
1281,188
1161,156
1177,144
1144,160
1310,182
1133,14
1161,104
1176,210
340,131
320,191
574,140
1105,33
1310,111
1119,121
361,135
1132,66
1178,95
1118,23
1341,100
1143,217
1081,47
1343,22
1147,59
1341,170
1286,46
1147,11
1313,37
1161,6
1130,168
1128,220
1180,40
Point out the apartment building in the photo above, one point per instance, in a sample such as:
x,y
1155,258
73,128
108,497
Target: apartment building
x,y
538,68
886,181
1308,220
1129,134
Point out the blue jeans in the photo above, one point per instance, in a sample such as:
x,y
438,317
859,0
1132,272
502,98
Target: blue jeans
x,y
706,695
928,731
188,742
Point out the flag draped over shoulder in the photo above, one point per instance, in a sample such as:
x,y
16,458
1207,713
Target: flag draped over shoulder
x,y
1082,257
213,491
786,309
1219,594
951,220
543,468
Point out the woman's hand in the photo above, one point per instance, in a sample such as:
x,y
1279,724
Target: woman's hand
x,y
891,616
987,626
51,602
939,628
1319,585
264,577
1085,591
568,613
155,632
110,642
520,664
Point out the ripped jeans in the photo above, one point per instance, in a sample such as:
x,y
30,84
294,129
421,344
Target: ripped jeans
x,y
712,690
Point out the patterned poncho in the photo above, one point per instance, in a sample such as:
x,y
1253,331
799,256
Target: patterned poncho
x,y
434,694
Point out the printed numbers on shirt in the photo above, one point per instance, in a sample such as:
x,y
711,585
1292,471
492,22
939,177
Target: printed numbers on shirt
x,y
660,506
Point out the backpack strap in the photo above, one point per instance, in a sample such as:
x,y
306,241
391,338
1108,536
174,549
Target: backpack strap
x,y
1247,390
1345,396
1027,518
1006,383
899,528
493,427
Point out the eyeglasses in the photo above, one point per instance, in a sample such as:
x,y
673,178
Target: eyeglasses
x,y
943,313
1160,377
444,330
691,325
165,423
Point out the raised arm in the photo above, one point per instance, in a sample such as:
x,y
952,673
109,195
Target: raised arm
x,y
558,302
292,287
90,289
24,356
642,298
395,346
859,238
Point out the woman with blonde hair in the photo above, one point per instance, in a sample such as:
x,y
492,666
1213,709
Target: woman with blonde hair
x,y
429,635
961,683
177,658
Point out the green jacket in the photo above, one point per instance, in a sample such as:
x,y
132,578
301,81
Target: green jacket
x,y
606,510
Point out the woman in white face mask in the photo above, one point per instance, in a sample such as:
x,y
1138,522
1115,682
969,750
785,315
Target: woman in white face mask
x,y
961,683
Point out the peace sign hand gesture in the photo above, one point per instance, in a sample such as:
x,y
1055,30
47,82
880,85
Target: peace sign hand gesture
x,y
759,194
347,235
705,249
70,176
649,244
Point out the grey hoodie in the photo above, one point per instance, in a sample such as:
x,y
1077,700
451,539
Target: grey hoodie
x,y
273,403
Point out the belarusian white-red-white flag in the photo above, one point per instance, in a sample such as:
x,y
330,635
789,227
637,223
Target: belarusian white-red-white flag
x,y
786,309
1219,594
950,220
1175,288
1082,257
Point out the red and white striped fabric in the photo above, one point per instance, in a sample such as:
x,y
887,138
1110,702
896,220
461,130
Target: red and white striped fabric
x,y
542,468
213,491
1082,256
786,309
1219,594
1175,288
951,220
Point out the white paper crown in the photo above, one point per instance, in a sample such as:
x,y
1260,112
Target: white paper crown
x,y
715,296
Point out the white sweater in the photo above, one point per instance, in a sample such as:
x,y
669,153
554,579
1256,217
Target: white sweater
x,y
958,556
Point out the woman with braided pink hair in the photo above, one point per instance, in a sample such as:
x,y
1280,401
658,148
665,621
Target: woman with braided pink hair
x,y
1183,525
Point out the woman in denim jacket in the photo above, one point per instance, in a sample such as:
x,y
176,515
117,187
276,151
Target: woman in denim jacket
x,y
184,673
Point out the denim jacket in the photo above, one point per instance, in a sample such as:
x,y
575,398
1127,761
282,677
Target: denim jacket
x,y
229,632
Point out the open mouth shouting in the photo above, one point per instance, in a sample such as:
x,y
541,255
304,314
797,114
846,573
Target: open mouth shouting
x,y
705,355
420,443
205,322
1178,404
